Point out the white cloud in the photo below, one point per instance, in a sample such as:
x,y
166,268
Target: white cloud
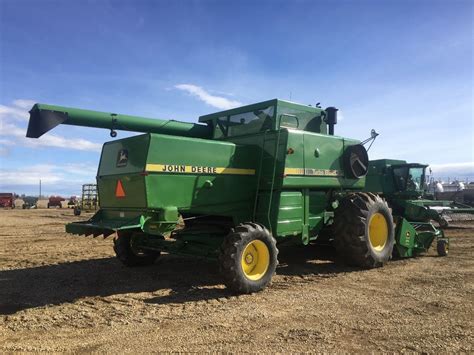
x,y
11,112
67,143
17,111
29,175
4,151
465,167
48,140
5,141
82,169
9,129
49,174
5,145
212,100
24,104
16,135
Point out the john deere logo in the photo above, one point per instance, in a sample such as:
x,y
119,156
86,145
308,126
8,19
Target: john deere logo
x,y
122,158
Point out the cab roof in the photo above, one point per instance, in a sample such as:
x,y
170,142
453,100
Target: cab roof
x,y
261,105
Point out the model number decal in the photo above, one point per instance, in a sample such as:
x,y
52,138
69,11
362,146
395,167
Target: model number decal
x,y
312,172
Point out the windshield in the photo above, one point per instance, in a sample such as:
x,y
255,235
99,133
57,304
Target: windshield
x,y
409,178
415,179
245,123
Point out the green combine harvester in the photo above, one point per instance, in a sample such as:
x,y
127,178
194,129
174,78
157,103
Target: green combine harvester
x,y
403,185
235,186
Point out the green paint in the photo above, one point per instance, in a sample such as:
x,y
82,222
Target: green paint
x,y
414,238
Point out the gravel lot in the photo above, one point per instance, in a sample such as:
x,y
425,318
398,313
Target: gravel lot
x,y
64,293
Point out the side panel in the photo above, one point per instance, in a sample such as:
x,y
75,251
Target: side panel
x,y
290,213
322,157
294,212
201,176
304,117
380,176
295,157
318,205
322,166
269,158
286,213
123,160
133,186
134,151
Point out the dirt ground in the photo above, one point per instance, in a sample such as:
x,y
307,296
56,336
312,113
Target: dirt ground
x,y
64,293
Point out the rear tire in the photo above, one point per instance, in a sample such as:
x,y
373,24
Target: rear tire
x,y
130,257
248,258
364,230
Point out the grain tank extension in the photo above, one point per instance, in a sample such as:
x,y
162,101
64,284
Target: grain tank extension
x,y
234,187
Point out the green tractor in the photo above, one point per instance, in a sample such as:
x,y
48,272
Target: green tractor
x,y
234,187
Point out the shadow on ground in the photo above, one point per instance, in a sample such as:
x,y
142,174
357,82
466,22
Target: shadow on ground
x,y
190,279
312,259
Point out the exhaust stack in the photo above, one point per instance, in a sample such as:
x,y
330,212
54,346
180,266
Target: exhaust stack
x,y
331,119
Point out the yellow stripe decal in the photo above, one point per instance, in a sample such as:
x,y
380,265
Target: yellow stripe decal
x,y
312,172
193,169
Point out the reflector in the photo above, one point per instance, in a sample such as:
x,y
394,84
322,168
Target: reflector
x,y
119,191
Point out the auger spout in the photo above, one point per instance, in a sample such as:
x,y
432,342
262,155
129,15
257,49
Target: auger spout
x,y
44,117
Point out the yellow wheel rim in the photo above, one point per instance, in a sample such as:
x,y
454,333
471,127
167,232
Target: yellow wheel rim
x,y
255,260
378,231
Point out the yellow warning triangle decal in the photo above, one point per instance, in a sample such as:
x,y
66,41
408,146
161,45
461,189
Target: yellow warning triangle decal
x,y
119,191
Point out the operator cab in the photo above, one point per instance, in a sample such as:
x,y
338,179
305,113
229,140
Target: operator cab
x,y
396,177
267,115
409,178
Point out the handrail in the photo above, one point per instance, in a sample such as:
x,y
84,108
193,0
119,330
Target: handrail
x,y
259,177
277,146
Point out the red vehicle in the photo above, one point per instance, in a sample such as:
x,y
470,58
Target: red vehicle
x,y
55,201
6,200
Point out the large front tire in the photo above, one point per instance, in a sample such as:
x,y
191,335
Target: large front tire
x,y
248,258
364,230
128,255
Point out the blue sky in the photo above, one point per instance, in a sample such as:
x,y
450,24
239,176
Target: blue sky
x,y
404,68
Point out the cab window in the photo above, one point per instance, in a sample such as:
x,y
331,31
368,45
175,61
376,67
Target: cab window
x,y
408,179
415,179
245,123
